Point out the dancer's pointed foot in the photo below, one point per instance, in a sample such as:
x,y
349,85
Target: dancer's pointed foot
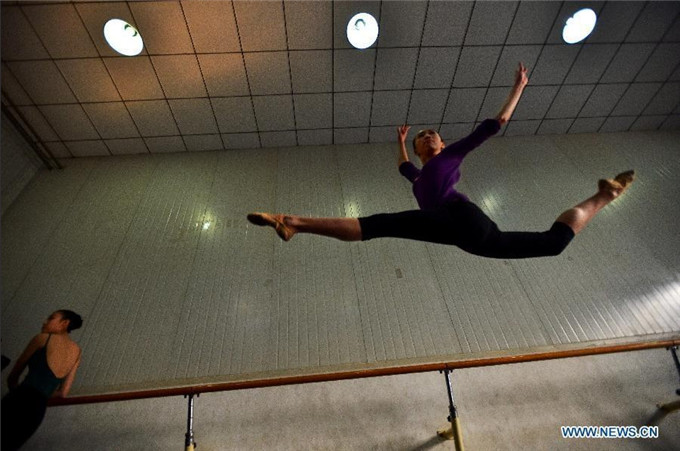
x,y
618,185
278,222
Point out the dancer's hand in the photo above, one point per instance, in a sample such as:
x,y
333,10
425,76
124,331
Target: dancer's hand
x,y
521,78
402,132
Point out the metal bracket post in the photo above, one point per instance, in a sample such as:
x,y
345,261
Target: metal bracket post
x,y
189,443
454,432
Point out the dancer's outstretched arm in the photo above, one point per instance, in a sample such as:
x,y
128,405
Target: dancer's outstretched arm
x,y
402,132
510,104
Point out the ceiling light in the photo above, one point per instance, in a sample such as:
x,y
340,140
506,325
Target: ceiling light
x,y
579,26
123,37
362,30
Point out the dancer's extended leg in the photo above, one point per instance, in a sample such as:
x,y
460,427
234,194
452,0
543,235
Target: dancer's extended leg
x,y
580,215
345,229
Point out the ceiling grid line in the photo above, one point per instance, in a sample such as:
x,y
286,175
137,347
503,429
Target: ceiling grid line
x,y
609,63
375,64
455,71
495,67
115,85
200,69
245,68
165,96
415,72
290,72
332,73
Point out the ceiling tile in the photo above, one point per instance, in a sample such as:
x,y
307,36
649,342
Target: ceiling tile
x,y
617,124
655,20
200,143
162,27
343,12
127,146
37,121
42,81
476,66
665,101
648,123
401,24
382,134
135,78
212,26
352,109
70,122
464,104
395,68
569,101
260,25
427,106
673,35
591,63
436,67
614,21
180,76
88,148
532,22
274,113
59,150
278,139
535,102
490,22
446,23
602,100
112,120
89,80
509,61
153,118
12,88
309,24
554,126
660,65
671,123
636,98
627,62
194,116
313,110
451,133
241,141
553,64
234,114
50,21
586,125
493,101
165,144
676,75
96,14
14,23
566,11
522,128
389,107
268,73
224,74
311,71
353,70
350,135
315,137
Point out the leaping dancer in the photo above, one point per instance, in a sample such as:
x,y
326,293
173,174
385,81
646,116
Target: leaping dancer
x,y
447,216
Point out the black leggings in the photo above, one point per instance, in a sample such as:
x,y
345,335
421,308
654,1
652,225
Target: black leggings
x,y
23,409
464,225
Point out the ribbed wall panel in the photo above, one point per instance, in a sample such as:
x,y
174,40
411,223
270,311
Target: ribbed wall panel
x,y
177,287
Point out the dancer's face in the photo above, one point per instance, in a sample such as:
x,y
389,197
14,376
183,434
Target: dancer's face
x,y
427,144
54,324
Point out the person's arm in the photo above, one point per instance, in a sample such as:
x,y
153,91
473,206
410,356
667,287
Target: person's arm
x,y
402,132
35,344
510,104
65,387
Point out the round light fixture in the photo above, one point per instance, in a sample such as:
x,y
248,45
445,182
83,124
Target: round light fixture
x,y
123,37
362,30
579,26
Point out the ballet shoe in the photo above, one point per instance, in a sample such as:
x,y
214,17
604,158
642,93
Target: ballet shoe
x,y
618,184
265,219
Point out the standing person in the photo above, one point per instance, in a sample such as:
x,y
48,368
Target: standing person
x,y
447,216
52,359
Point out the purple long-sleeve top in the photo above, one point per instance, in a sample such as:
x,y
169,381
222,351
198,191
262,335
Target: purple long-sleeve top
x,y
433,185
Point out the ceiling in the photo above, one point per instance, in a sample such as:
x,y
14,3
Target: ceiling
x,y
249,74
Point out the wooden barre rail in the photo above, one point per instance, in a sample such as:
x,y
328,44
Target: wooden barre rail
x,y
357,374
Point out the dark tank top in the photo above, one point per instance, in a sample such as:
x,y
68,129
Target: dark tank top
x,y
40,377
